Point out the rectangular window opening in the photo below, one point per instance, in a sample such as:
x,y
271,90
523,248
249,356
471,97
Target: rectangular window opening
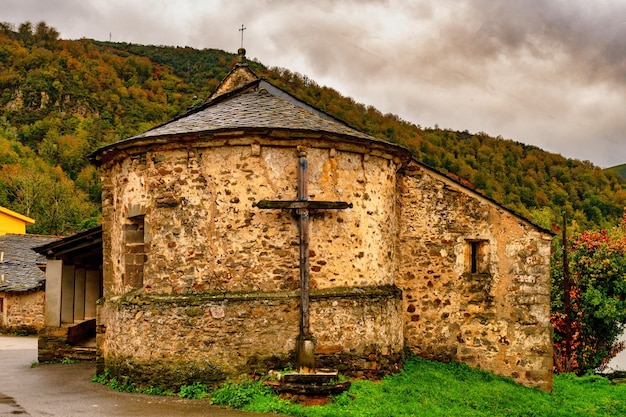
x,y
477,257
474,248
134,251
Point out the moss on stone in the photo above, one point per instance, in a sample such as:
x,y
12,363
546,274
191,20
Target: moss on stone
x,y
166,373
200,298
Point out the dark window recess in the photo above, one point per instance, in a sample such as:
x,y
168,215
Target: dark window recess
x,y
134,252
474,248
477,259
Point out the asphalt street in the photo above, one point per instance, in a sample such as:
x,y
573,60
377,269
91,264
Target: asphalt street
x,y
66,390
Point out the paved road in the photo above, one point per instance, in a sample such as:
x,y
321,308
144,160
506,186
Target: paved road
x,y
67,391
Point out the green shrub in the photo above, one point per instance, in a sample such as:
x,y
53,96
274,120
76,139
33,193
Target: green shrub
x,y
105,379
102,378
240,395
194,391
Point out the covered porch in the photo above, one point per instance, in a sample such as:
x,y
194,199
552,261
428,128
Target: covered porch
x,y
73,287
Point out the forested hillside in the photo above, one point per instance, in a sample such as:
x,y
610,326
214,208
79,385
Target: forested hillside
x,y
60,100
620,170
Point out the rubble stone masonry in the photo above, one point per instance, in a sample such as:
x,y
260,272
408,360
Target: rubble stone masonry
x,y
23,311
219,288
201,285
490,308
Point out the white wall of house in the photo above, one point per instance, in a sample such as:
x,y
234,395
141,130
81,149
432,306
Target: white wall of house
x,y
618,363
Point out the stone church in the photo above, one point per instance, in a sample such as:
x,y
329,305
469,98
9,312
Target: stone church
x,y
212,220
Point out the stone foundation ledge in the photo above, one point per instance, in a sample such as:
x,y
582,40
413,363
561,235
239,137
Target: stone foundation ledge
x,y
140,297
165,373
369,365
172,373
21,330
52,345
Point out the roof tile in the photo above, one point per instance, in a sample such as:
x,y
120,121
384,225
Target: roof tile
x,y
19,262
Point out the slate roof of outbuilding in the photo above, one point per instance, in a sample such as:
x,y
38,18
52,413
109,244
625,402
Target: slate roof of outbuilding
x,y
256,105
19,262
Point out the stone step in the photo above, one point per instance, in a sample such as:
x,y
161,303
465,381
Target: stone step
x,y
83,353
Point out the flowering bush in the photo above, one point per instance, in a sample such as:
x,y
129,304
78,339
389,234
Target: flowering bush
x,y
597,265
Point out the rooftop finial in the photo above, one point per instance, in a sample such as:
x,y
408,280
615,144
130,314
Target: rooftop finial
x,y
241,30
242,51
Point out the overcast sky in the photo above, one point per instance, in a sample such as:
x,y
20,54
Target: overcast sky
x,y
550,73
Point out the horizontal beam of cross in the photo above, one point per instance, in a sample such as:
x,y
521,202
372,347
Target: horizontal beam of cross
x,y
302,204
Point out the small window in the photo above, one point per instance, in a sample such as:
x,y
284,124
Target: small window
x,y
477,257
134,247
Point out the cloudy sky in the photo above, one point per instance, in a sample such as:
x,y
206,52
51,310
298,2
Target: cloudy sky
x,y
550,73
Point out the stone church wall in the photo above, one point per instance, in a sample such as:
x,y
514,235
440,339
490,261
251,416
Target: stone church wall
x,y
203,234
190,266
475,280
200,284
24,311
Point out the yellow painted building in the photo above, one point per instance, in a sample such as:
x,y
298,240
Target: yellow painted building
x,y
12,222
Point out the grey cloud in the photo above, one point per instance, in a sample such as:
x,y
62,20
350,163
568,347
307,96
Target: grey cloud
x,y
592,35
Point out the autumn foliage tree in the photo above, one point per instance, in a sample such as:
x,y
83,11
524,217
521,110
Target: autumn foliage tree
x,y
597,265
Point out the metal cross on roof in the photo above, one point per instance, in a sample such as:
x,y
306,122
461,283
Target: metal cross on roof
x,y
305,345
241,30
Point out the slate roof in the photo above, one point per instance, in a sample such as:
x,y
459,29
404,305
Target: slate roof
x,y
256,106
262,106
19,262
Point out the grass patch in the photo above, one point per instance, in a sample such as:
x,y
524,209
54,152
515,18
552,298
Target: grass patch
x,y
422,389
427,388
194,391
112,382
244,395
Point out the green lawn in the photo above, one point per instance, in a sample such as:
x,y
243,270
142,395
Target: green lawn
x,y
427,388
